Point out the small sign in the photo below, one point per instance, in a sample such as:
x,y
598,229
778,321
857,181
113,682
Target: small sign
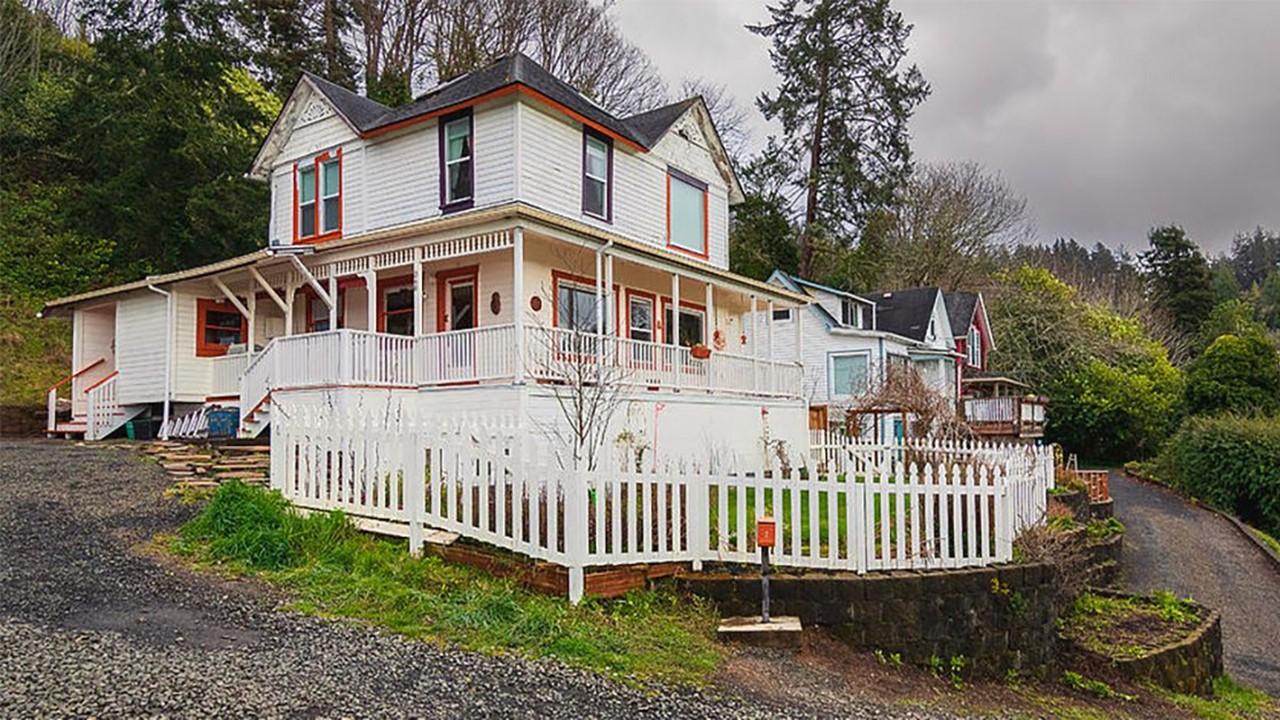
x,y
766,532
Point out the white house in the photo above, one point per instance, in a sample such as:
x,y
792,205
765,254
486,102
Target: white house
x,y
451,254
850,341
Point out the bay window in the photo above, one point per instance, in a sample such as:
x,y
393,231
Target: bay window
x,y
457,164
686,213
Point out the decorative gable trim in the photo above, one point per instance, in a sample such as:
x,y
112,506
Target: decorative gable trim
x,y
306,105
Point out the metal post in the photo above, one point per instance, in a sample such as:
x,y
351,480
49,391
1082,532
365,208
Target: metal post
x,y
764,584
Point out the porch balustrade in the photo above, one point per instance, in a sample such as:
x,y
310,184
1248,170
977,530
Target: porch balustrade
x,y
359,358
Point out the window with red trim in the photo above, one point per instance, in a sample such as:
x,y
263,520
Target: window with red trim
x,y
317,198
686,213
395,306
318,311
218,326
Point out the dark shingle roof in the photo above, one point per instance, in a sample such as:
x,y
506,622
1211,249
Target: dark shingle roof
x,y
358,109
643,129
650,126
960,307
905,312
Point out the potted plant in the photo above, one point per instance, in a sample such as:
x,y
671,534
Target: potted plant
x,y
700,351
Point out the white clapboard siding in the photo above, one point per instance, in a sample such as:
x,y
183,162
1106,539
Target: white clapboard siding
x,y
140,355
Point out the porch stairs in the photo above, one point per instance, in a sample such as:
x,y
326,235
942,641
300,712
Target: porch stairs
x,y
257,420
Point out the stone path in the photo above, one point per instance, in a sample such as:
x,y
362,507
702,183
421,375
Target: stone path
x,y
1173,545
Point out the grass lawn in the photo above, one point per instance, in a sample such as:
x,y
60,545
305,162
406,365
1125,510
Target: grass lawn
x,y
333,570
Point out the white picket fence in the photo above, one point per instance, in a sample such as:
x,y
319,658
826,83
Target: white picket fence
x,y
489,481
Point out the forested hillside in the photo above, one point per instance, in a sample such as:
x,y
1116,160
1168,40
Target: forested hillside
x,y
126,129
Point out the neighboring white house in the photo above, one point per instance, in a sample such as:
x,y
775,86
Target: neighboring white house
x,y
850,341
448,255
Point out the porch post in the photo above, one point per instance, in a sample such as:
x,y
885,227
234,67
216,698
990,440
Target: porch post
x,y
769,325
673,329
710,302
755,343
290,292
252,306
517,302
333,300
417,293
610,319
600,307
371,285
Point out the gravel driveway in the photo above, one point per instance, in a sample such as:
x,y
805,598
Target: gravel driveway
x,y
1170,544
90,627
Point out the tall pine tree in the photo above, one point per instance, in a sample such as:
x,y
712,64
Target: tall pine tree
x,y
1179,278
844,101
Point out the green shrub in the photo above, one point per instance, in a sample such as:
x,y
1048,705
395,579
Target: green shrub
x,y
1229,461
1236,373
1109,412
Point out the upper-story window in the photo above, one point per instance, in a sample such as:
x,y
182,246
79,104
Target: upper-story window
x,y
973,348
318,198
457,161
597,175
850,313
686,213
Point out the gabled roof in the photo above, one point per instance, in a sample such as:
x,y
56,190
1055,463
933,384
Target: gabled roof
x,y
960,309
516,72
905,312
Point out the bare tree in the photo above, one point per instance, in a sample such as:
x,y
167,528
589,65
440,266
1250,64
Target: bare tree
x,y
25,30
588,375
730,118
951,225
931,413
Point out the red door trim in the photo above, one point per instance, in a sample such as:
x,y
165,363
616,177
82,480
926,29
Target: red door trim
x,y
443,278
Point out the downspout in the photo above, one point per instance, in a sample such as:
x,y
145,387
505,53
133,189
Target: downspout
x,y
168,357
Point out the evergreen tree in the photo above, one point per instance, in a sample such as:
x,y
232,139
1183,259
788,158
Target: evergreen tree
x,y
1179,278
843,102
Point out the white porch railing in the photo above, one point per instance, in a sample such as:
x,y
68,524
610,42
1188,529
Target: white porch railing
x,y
103,408
490,483
225,374
487,353
553,352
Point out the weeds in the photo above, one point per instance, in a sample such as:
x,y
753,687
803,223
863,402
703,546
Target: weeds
x,y
1097,688
1230,701
333,570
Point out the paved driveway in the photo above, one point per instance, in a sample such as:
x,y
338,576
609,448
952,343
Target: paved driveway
x,y
1173,545
89,627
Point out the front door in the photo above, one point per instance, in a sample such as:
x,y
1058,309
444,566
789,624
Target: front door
x,y
456,297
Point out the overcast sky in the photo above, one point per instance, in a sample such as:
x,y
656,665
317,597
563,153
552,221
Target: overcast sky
x,y
1109,116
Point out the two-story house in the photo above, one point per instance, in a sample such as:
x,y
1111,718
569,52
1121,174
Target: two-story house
x,y
851,342
454,252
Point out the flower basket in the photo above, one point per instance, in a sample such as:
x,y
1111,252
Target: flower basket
x,y
701,352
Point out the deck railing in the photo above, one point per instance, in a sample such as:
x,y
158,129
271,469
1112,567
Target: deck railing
x,y
225,374
104,413
1012,415
491,483
356,357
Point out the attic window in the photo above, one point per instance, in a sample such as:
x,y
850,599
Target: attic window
x,y
973,348
850,314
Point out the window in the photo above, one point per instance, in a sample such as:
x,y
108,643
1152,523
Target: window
x,y
457,167
597,173
849,376
850,313
686,213
330,196
397,310
640,318
973,347
318,312
318,198
218,326
782,315
575,307
690,332
307,202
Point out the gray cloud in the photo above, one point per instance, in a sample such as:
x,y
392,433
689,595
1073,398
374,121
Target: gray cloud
x,y
1110,117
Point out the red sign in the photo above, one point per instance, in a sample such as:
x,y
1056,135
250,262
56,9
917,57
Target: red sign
x,y
766,532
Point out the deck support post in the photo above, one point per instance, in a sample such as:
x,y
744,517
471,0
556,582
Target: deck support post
x,y
290,292
333,301
517,302
251,303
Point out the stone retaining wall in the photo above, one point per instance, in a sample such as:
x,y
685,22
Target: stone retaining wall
x,y
1186,666
23,420
998,618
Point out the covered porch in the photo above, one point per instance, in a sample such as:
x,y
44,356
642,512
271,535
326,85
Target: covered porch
x,y
512,305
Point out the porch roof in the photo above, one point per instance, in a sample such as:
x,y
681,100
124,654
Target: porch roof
x,y
516,211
